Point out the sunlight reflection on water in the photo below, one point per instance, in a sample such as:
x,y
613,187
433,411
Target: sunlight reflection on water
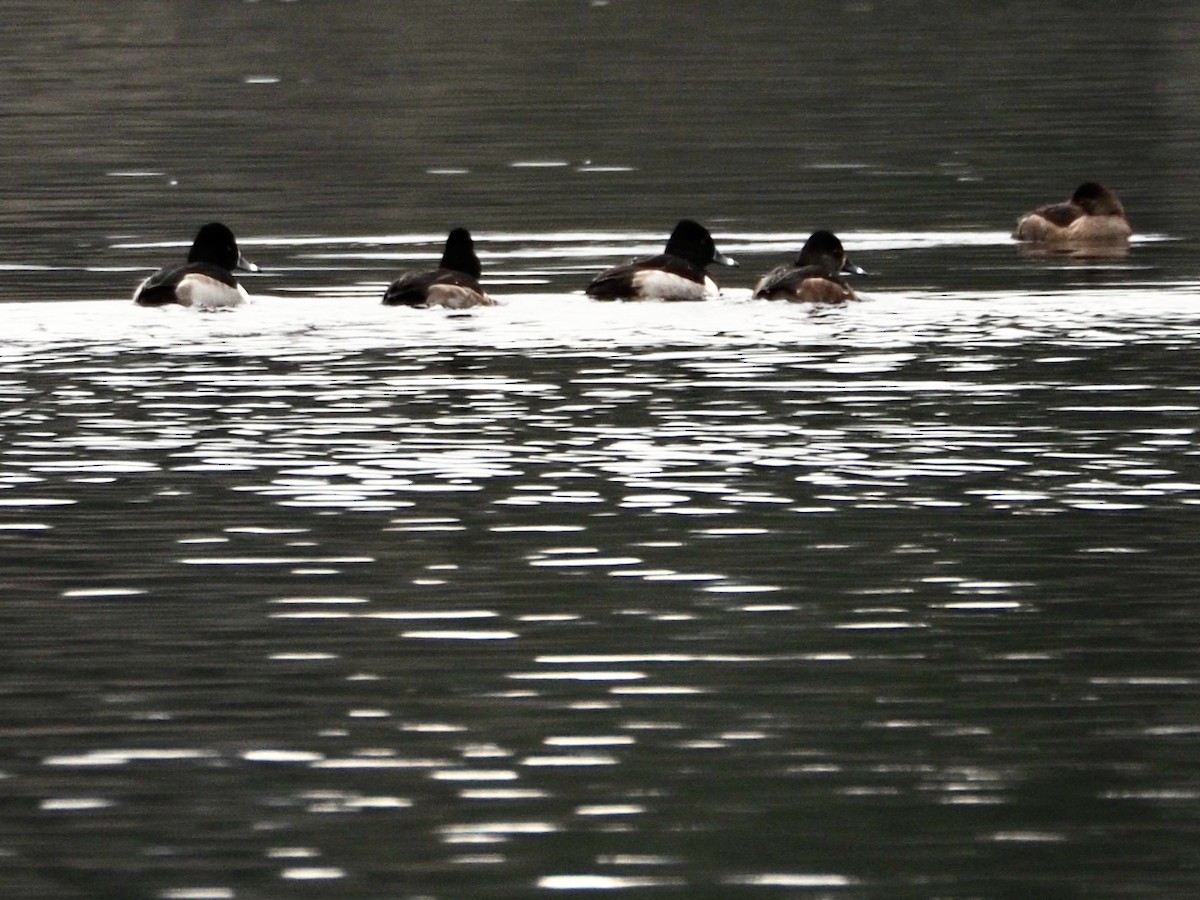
x,y
613,572
738,599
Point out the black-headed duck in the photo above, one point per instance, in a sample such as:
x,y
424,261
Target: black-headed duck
x,y
206,280
815,277
676,274
454,284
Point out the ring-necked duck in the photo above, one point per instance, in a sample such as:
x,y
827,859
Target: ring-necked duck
x,y
815,276
453,284
677,274
1093,215
206,279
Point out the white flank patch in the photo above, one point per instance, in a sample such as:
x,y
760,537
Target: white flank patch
x,y
203,292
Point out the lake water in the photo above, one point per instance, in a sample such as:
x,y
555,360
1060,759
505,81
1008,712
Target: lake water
x,y
315,598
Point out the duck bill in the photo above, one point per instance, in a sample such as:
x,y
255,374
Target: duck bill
x,y
722,260
850,268
244,264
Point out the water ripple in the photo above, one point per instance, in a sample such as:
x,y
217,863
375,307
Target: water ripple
x,y
635,576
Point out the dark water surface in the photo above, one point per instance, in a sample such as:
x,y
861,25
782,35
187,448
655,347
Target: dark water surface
x,y
560,598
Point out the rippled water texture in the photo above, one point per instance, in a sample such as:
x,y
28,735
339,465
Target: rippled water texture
x,y
568,598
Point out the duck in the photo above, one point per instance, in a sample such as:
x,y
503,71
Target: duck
x,y
454,284
1093,215
206,279
676,274
815,276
